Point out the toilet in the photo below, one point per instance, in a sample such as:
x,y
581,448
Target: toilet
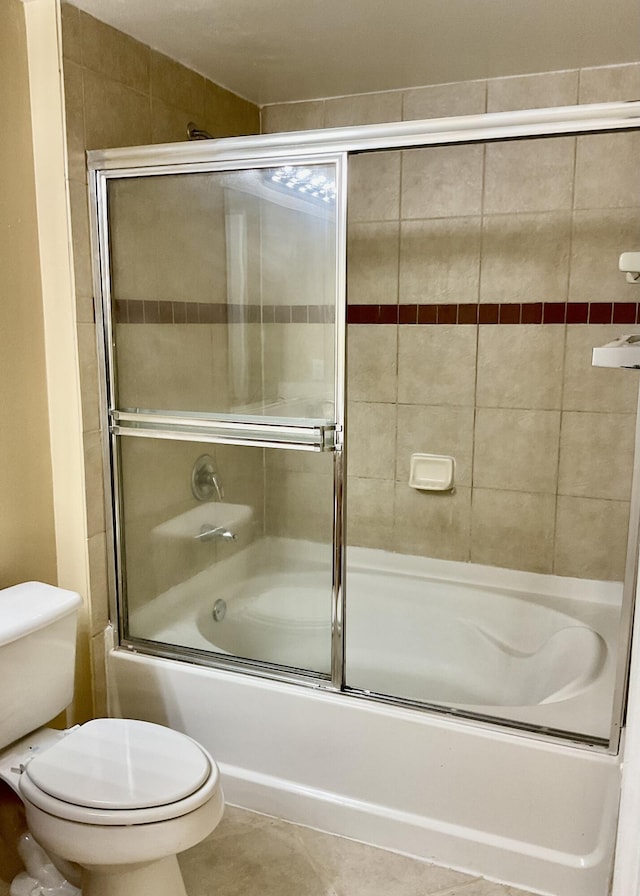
x,y
116,798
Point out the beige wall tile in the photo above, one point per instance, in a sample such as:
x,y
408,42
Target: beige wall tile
x,y
297,363
113,54
300,505
74,113
599,236
596,455
513,530
71,40
588,388
529,175
292,117
435,430
115,115
432,524
82,707
516,450
374,187
168,123
228,115
591,538
296,262
156,476
520,366
615,154
609,84
370,513
166,366
88,361
175,84
440,260
223,367
81,239
94,486
157,249
525,257
444,100
97,545
372,361
291,461
243,475
154,564
367,108
99,676
532,91
85,313
371,440
442,181
437,365
372,271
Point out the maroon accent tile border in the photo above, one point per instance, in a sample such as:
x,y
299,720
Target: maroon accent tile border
x,y
138,311
578,312
500,313
427,314
531,314
488,314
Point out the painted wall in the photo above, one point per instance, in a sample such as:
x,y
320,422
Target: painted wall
x,y
27,536
27,541
479,279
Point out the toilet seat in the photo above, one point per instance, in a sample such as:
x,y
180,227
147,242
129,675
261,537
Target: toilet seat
x,y
120,772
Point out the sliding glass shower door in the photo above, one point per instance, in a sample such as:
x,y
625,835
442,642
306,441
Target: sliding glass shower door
x,y
490,467
224,331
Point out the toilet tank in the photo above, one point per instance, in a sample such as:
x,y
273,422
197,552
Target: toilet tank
x,y
37,656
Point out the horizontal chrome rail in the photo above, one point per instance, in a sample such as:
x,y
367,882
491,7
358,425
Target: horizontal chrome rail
x,y
309,435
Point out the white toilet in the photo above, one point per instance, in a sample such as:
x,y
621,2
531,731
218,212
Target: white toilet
x,y
117,797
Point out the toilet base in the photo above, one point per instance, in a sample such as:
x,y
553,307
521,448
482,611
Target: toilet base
x,y
160,878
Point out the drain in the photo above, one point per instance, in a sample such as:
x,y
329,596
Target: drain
x,y
219,610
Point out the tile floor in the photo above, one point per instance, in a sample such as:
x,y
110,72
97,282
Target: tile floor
x,y
254,855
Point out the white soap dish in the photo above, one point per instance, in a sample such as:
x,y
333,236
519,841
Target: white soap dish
x,y
432,472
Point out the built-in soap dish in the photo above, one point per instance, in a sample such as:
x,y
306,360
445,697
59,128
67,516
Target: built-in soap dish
x,y
432,472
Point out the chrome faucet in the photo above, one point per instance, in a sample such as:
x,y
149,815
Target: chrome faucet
x,y
205,479
211,533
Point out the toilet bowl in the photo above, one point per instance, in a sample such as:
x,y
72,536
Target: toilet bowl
x,y
120,798
116,798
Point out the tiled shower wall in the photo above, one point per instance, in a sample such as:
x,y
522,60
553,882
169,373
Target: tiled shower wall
x,y
119,92
480,277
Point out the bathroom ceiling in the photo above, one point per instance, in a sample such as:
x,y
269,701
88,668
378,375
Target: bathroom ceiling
x,y
272,51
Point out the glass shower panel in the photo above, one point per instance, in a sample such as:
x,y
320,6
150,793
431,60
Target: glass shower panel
x,y
500,597
246,572
223,291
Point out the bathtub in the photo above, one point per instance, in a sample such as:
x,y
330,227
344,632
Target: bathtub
x,y
525,648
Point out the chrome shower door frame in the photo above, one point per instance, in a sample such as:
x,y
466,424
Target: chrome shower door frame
x,y
229,429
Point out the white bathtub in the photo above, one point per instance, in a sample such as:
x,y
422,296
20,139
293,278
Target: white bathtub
x,y
522,647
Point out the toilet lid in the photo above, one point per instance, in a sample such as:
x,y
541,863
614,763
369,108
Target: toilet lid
x,y
120,764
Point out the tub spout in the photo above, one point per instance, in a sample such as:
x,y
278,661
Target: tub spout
x,y
212,533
